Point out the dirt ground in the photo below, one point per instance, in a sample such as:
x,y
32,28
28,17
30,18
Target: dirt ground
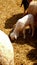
x,y
25,50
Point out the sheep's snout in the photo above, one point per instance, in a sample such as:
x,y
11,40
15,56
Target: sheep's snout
x,y
13,36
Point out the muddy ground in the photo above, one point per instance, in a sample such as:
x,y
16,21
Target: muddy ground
x,y
25,50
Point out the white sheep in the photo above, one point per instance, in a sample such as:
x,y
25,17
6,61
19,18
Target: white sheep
x,y
21,24
6,50
32,9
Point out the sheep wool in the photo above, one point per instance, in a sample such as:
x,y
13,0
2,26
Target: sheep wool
x,y
32,9
6,50
21,24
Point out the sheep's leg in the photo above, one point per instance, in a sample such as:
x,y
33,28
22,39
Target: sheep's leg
x,y
24,33
32,26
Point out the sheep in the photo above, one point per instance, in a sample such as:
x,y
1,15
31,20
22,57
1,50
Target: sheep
x,y
32,9
6,50
21,24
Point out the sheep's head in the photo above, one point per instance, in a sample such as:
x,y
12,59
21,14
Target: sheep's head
x,y
13,36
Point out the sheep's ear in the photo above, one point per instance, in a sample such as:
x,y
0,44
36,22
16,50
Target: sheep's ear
x,y
15,37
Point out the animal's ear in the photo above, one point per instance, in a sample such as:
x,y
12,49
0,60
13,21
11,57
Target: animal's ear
x,y
15,37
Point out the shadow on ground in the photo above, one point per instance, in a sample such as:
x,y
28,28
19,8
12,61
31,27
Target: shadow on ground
x,y
35,63
11,21
32,55
32,41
